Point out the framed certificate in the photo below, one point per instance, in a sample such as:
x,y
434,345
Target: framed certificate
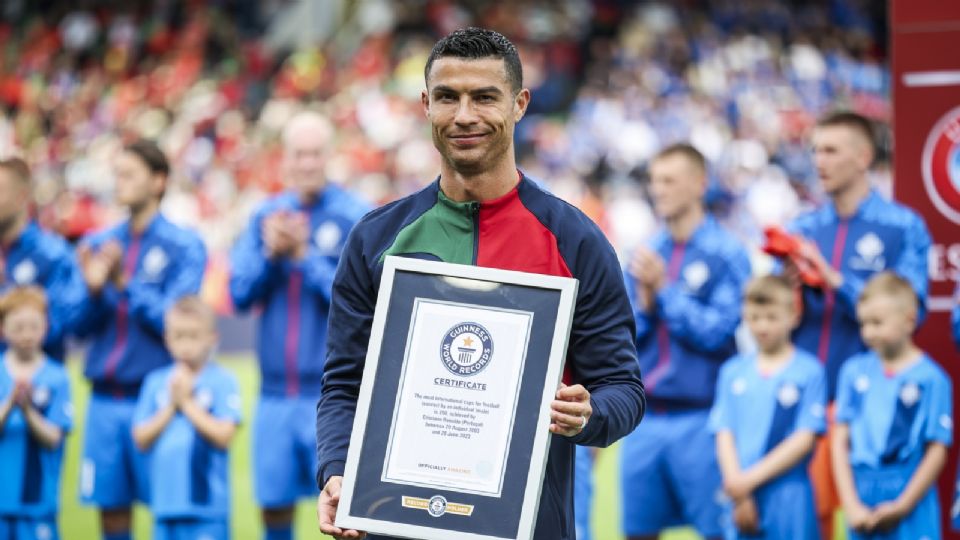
x,y
450,437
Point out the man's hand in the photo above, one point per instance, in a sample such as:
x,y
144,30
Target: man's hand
x,y
811,253
274,239
181,386
570,411
97,266
746,517
649,272
21,394
327,511
297,230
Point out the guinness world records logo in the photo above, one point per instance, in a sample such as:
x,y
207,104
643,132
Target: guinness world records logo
x,y
940,164
466,349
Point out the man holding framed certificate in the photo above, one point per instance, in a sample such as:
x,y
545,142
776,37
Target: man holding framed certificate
x,y
484,213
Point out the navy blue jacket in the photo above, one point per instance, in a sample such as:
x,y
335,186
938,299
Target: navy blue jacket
x,y
162,264
527,228
294,295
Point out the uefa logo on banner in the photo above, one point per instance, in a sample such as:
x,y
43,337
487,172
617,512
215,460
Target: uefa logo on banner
x,y
941,165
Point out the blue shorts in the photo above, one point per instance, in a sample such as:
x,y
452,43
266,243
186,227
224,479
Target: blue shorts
x,y
27,528
285,451
875,486
583,491
191,529
113,473
669,475
786,510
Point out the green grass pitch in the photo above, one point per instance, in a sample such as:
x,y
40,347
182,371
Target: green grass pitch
x,y
80,523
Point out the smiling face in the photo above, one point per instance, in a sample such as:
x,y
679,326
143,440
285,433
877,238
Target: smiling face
x,y
472,111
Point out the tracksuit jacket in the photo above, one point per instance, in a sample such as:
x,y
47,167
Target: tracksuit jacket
x,y
689,331
880,235
526,230
162,264
294,295
44,259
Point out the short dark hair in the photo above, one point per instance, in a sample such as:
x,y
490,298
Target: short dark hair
x,y
17,167
686,150
151,155
475,43
857,122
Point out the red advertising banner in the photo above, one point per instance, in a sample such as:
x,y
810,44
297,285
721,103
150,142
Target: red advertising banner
x,y
925,73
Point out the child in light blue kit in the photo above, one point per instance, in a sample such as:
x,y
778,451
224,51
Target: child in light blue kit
x,y
767,415
894,422
35,416
185,418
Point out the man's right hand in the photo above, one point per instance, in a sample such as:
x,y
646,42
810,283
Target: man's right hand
x,y
327,511
97,266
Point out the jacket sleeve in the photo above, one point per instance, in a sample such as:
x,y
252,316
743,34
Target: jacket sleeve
x,y
148,303
318,271
351,316
602,351
66,291
911,265
706,326
251,272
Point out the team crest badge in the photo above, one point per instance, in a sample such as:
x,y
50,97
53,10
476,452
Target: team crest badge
x,y
327,237
910,394
25,273
41,396
696,274
154,262
204,398
738,387
861,384
788,395
940,164
869,250
466,349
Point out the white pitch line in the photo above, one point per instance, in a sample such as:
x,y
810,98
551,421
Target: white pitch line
x,y
947,77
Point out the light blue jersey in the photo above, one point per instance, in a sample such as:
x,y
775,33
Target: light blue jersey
x,y
892,417
30,475
188,475
761,411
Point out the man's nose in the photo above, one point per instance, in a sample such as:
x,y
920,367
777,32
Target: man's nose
x,y
466,113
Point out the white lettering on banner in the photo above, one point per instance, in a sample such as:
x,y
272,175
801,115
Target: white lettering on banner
x,y
944,262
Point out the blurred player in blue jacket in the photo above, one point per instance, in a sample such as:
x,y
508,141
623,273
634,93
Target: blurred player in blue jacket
x,y
852,237
284,263
32,256
133,272
685,289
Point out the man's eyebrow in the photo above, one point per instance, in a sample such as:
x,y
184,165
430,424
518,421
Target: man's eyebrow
x,y
444,89
487,90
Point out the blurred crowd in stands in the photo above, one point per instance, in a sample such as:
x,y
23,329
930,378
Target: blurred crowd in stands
x,y
612,80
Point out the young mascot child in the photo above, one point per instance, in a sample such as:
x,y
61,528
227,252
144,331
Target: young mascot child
x,y
894,421
35,415
767,416
186,417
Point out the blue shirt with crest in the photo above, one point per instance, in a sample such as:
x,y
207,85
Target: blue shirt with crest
x,y
30,475
189,475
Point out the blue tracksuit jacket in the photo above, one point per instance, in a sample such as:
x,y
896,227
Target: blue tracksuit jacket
x,y
294,295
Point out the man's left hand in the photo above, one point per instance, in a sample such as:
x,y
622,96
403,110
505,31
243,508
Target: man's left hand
x,y
570,411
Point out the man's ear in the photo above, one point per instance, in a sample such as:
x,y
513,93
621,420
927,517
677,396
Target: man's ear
x,y
425,102
520,103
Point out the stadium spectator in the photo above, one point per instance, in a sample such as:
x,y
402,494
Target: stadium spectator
x,y
32,256
770,408
685,290
133,272
187,415
853,236
285,263
894,421
35,416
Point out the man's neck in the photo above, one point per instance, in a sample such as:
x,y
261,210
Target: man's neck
x,y
483,186
848,200
682,225
13,229
141,217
